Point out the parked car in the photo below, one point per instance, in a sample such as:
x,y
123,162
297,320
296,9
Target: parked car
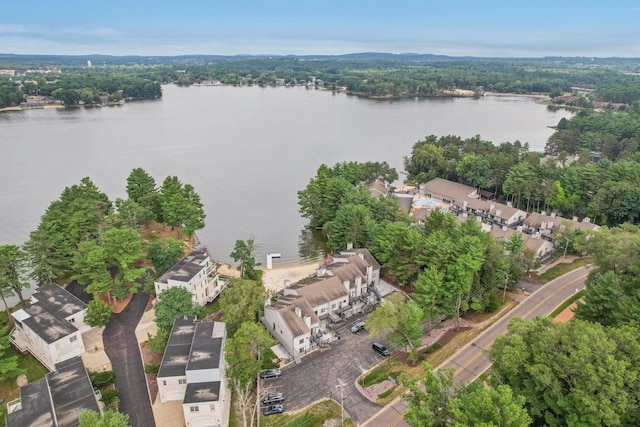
x,y
272,398
381,349
270,373
357,327
277,408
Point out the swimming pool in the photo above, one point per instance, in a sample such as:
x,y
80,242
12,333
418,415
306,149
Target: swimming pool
x,y
423,202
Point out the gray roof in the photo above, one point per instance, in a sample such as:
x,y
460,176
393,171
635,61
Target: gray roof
x,y
65,392
206,351
176,355
36,407
202,392
450,190
186,269
48,315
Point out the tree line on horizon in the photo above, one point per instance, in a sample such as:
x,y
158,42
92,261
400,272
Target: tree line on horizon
x,y
613,82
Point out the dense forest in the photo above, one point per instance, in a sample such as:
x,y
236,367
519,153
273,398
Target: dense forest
x,y
374,75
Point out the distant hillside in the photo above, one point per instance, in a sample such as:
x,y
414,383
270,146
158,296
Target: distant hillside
x,y
81,60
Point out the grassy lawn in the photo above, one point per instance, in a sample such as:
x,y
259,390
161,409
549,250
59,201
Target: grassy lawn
x,y
575,297
313,416
563,268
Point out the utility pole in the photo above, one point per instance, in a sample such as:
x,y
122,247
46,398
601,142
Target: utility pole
x,y
258,400
506,281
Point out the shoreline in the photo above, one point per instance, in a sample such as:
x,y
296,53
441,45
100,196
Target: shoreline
x,y
274,279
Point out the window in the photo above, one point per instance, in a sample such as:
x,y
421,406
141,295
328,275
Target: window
x,y
333,306
301,341
322,310
164,382
73,338
301,350
182,381
72,320
213,408
194,409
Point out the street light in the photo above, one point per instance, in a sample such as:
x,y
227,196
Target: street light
x,y
340,386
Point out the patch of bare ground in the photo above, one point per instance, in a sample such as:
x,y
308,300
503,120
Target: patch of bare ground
x,y
149,358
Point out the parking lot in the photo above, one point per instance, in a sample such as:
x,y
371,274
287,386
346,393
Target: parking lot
x,y
323,373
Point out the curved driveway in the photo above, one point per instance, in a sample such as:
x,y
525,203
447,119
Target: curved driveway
x,y
122,348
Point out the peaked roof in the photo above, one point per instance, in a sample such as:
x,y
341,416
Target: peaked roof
x,y
449,189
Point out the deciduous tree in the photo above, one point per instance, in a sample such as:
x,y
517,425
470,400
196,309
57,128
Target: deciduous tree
x,y
110,418
400,318
98,313
575,373
241,301
175,301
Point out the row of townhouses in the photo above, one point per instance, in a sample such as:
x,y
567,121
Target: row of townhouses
x,y
299,315
501,220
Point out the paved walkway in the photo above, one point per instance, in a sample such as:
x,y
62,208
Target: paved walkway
x,y
123,351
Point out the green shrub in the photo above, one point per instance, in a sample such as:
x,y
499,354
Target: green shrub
x,y
158,343
387,393
152,368
101,379
432,348
111,398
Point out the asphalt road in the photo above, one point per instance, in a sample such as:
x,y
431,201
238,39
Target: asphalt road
x,y
330,373
471,361
122,348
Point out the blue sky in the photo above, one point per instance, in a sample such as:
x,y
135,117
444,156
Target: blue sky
x,y
499,28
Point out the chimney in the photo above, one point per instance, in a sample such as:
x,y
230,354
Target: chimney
x,y
349,246
509,204
575,219
586,220
320,271
287,283
358,285
347,284
492,206
369,273
361,255
553,214
298,312
307,321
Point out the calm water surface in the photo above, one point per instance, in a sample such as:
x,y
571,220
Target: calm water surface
x,y
247,151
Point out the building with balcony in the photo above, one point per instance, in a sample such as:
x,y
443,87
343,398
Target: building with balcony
x,y
196,273
343,285
51,327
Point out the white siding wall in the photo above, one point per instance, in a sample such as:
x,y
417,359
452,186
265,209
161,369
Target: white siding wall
x,y
170,388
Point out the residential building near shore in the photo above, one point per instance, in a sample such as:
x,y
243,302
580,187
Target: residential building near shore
x,y
299,315
197,273
51,327
499,219
193,371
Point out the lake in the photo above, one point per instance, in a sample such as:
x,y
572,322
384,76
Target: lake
x,y
246,150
